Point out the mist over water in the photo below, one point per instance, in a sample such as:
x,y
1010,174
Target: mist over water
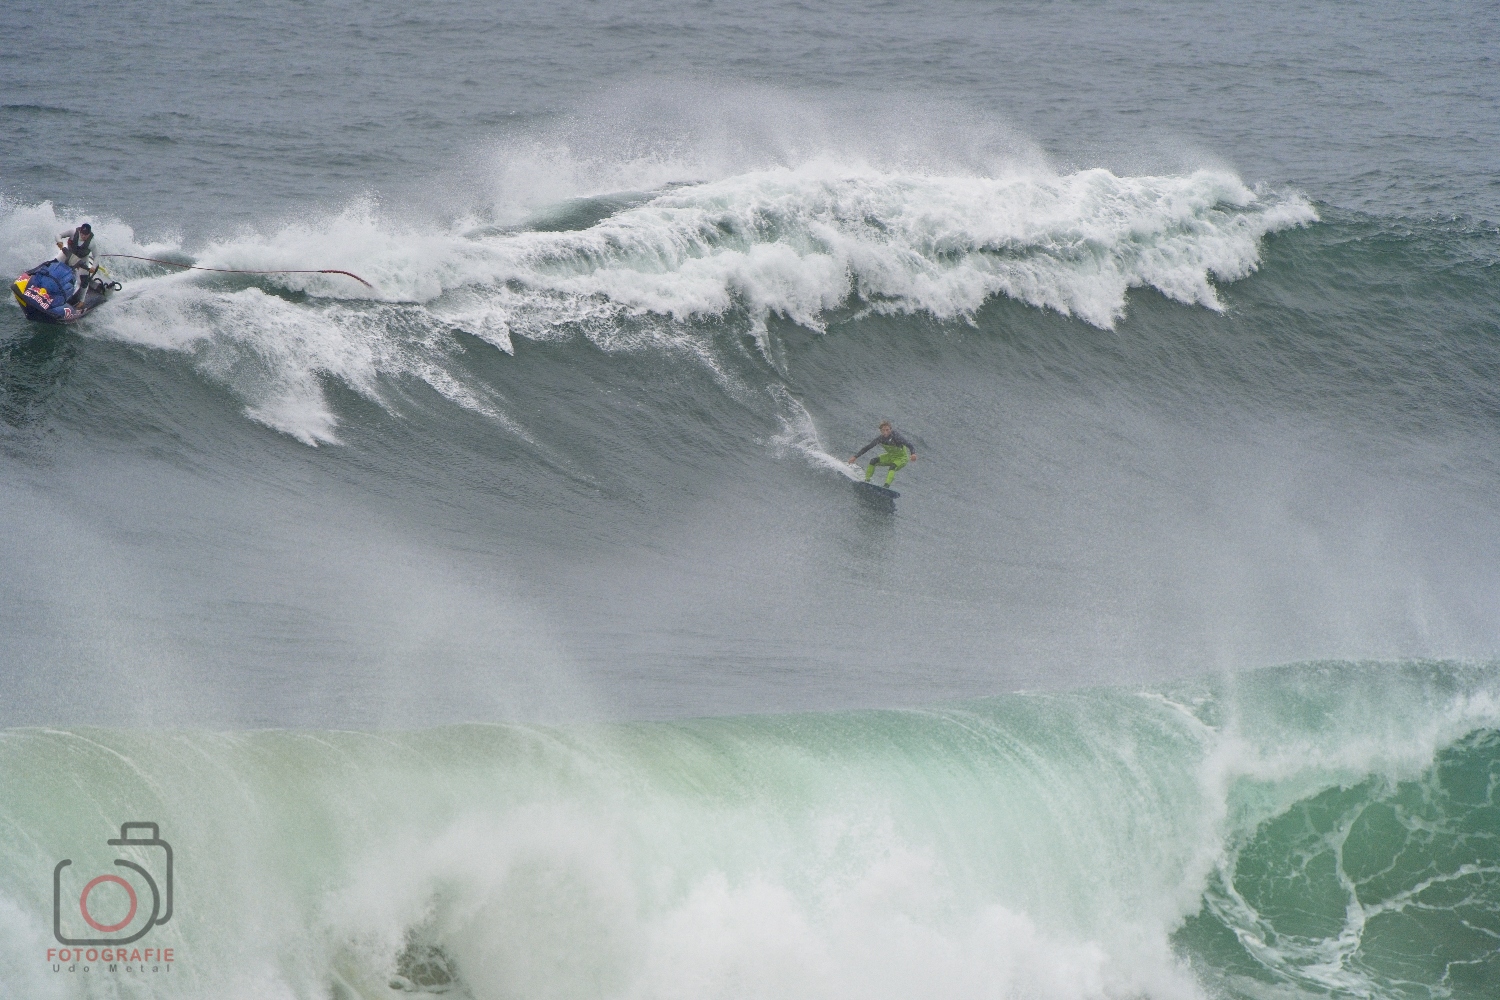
x,y
511,629
1026,845
614,449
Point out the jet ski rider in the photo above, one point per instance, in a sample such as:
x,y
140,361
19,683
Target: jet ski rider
x,y
77,251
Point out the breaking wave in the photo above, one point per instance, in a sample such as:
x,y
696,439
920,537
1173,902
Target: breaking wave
x,y
1324,828
674,269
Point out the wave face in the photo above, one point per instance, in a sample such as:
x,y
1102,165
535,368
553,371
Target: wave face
x,y
1304,831
672,267
1165,421
1382,888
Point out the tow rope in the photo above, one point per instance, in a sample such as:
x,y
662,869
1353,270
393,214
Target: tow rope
x,y
236,270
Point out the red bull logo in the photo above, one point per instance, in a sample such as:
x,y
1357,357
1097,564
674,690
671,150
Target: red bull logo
x,y
27,293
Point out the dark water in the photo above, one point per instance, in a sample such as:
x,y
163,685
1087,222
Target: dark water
x,y
1191,311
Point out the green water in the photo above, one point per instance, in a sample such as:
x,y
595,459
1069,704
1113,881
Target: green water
x,y
1253,836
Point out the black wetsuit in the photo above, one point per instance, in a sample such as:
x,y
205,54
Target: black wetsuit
x,y
891,440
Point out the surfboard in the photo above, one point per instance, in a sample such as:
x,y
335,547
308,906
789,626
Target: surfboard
x,y
874,490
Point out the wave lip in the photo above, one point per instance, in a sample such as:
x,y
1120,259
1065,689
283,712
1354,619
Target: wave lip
x,y
1047,846
1381,888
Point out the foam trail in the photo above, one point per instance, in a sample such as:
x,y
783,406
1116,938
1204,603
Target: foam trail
x,y
800,434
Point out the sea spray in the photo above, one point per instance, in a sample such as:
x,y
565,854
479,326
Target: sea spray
x,y
664,271
1069,846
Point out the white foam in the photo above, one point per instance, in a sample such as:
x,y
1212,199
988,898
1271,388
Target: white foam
x,y
550,903
1043,847
795,241
798,242
800,434
28,235
23,941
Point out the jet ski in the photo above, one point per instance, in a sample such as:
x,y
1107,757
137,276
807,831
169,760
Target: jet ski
x,y
47,293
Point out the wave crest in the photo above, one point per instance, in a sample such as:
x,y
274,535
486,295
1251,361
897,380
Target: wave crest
x,y
670,270
801,241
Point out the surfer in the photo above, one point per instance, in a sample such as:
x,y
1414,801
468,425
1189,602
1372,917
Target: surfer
x,y
77,251
896,451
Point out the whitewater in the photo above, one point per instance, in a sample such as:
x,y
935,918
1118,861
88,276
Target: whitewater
x,y
1276,834
511,629
795,243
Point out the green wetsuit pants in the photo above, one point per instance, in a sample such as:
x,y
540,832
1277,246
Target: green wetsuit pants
x,y
894,456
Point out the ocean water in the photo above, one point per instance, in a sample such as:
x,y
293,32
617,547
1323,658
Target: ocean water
x,y
509,629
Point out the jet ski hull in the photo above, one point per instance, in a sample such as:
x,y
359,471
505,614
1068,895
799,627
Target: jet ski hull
x,y
40,304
